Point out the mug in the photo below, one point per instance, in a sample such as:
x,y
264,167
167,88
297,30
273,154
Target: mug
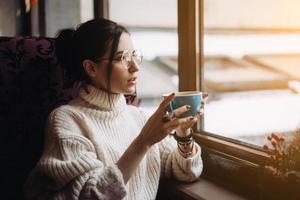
x,y
191,98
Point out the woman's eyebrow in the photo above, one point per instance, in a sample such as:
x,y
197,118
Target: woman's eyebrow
x,y
119,53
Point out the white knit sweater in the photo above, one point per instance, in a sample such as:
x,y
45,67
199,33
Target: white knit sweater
x,y
85,139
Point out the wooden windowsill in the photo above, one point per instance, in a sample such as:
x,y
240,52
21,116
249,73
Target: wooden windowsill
x,y
202,189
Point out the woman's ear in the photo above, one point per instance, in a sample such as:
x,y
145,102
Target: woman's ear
x,y
89,68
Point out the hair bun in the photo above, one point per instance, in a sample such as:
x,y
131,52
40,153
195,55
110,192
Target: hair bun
x,y
64,44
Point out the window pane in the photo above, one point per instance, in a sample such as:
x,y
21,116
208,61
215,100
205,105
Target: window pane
x,y
251,68
66,14
153,28
10,17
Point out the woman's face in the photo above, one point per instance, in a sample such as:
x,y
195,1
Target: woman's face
x,y
123,78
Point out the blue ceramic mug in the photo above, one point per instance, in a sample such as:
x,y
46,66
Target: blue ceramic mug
x,y
191,98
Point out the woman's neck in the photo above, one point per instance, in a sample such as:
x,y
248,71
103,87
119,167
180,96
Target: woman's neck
x,y
102,99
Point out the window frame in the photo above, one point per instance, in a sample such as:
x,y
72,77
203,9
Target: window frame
x,y
191,64
101,9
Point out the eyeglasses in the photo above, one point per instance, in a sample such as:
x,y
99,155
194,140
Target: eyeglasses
x,y
127,57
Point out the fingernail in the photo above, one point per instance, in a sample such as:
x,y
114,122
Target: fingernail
x,y
173,94
191,118
199,113
188,107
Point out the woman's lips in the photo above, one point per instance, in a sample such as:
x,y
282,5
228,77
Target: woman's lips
x,y
132,80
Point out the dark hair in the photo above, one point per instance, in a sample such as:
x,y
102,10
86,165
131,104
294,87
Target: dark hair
x,y
91,40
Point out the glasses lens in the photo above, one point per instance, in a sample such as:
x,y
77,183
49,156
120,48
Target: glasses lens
x,y
137,56
126,58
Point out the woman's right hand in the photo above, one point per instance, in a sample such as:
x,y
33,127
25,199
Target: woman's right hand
x,y
156,128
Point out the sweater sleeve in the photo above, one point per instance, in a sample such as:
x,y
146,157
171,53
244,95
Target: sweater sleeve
x,y
174,164
69,167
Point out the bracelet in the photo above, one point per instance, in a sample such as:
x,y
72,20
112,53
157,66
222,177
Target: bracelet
x,y
185,144
185,139
186,154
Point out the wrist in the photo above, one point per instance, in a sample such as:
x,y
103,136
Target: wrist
x,y
141,144
185,144
183,133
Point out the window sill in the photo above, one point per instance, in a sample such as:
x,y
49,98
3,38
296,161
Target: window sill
x,y
201,189
237,167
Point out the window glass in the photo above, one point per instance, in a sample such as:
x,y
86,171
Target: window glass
x,y
251,68
10,17
66,14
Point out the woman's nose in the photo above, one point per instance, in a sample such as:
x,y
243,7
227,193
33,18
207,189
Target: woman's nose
x,y
133,66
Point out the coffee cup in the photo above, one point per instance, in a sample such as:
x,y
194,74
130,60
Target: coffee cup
x,y
191,98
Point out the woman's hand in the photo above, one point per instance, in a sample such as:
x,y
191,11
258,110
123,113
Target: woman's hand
x,y
157,129
183,129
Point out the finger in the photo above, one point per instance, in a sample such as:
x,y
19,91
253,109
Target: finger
x,y
181,110
163,105
181,122
204,100
190,123
202,104
204,97
199,114
171,125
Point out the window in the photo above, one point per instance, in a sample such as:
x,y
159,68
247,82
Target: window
x,y
153,29
66,14
12,17
44,17
236,163
251,58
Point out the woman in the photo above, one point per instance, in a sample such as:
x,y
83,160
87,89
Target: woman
x,y
97,147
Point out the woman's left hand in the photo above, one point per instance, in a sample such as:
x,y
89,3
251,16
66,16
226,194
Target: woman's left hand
x,y
183,129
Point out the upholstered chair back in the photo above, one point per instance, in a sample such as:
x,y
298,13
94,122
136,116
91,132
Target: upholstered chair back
x,y
32,84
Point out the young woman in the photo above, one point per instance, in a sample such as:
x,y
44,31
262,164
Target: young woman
x,y
97,147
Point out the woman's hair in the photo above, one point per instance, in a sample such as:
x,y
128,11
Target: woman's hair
x,y
91,40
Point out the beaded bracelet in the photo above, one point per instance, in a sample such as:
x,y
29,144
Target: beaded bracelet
x,y
186,154
185,142
185,139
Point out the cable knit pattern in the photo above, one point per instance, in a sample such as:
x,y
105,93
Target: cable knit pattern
x,y
85,139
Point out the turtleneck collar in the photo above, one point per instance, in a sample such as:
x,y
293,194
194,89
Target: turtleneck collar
x,y
101,100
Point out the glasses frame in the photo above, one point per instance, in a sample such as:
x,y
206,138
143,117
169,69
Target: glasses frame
x,y
127,58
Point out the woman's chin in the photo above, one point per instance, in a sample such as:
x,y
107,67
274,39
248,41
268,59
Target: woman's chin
x,y
130,90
